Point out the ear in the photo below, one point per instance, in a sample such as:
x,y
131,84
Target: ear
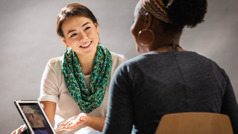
x,y
65,42
96,25
148,19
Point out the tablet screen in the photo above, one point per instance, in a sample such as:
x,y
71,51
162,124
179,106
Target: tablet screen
x,y
36,118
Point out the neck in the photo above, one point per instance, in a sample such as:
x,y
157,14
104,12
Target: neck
x,y
169,38
167,49
86,63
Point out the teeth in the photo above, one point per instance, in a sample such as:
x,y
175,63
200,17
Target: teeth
x,y
86,45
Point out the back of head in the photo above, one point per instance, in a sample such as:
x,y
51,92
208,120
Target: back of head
x,y
178,13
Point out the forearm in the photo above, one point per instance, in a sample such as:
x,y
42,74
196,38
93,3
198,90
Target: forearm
x,y
95,122
49,108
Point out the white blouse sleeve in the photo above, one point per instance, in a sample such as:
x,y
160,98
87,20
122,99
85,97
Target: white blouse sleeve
x,y
49,83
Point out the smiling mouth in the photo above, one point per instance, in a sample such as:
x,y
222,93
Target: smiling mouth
x,y
86,45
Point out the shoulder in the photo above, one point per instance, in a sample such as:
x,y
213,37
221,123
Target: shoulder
x,y
117,59
204,60
139,59
205,66
130,64
55,60
55,63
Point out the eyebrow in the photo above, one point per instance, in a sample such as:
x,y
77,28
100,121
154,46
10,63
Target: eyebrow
x,y
75,30
70,31
85,24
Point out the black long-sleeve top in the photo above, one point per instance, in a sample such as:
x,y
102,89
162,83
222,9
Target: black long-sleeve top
x,y
151,85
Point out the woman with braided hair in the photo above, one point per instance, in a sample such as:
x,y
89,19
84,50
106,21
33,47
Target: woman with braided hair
x,y
166,78
75,86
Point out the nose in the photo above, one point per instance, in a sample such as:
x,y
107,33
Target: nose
x,y
83,37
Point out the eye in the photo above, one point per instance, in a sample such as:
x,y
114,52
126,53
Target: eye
x,y
87,28
72,35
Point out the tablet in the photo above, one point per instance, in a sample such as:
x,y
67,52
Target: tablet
x,y
34,117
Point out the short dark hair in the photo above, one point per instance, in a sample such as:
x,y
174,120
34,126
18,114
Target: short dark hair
x,y
71,10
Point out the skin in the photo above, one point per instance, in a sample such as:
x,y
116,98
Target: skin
x,y
162,37
19,130
78,32
82,35
138,24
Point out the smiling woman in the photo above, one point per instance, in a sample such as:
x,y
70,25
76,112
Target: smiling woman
x,y
81,34
74,87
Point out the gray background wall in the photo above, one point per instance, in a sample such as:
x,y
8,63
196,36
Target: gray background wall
x,y
28,41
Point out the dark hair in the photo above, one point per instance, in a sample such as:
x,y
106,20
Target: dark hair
x,y
73,10
187,12
182,13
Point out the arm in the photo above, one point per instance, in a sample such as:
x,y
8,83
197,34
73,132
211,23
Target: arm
x,y
49,91
48,82
95,122
120,110
49,108
230,106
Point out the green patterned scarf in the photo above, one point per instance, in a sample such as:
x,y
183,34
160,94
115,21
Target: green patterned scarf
x,y
87,100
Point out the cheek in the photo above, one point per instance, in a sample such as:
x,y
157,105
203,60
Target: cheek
x,y
72,41
133,29
95,37
93,34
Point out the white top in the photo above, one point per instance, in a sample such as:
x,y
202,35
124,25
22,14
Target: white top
x,y
53,89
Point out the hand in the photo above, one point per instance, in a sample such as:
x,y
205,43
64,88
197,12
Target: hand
x,y
19,130
75,122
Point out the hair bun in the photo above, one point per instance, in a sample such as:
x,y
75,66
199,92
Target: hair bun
x,y
187,12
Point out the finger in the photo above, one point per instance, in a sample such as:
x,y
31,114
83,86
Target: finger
x,y
65,124
66,128
42,105
72,120
71,126
17,131
21,129
68,121
14,132
62,124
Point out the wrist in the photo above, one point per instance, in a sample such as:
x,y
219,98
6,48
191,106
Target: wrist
x,y
89,120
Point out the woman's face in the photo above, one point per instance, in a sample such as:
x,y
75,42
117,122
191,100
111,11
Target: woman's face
x,y
81,34
137,26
